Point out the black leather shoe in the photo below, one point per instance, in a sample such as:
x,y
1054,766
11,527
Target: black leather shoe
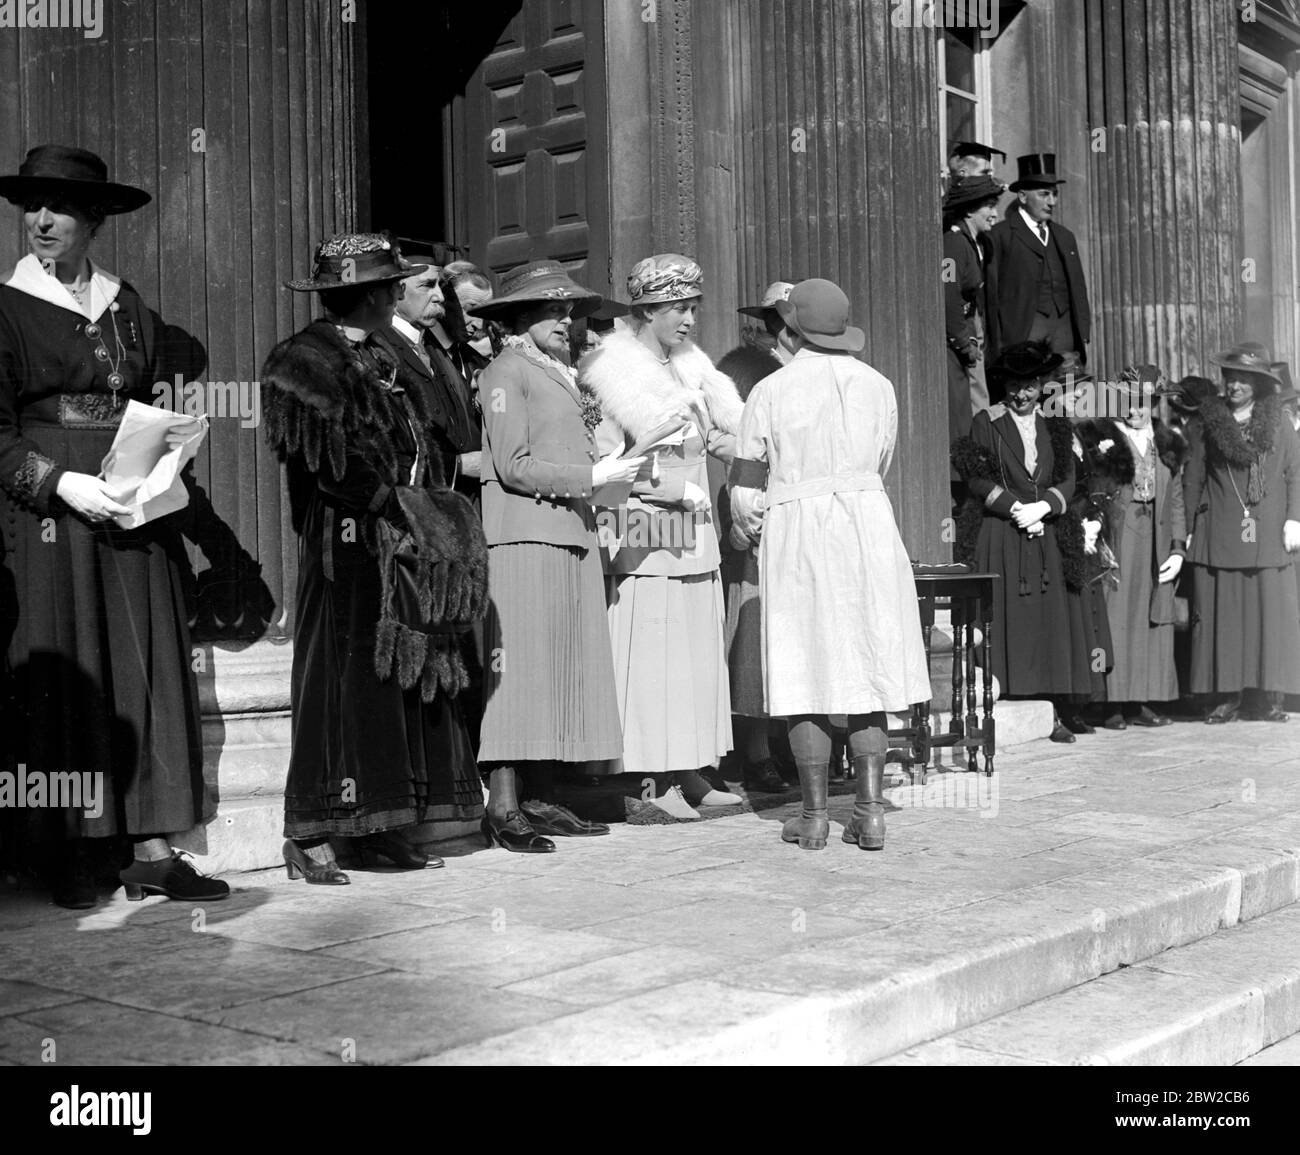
x,y
172,877
514,833
391,844
764,777
551,818
1148,717
1270,714
1225,712
1076,725
298,864
1061,733
72,880
1115,722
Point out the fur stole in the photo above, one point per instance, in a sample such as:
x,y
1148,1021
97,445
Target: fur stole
x,y
1110,467
1171,446
321,396
747,365
973,461
638,392
1228,443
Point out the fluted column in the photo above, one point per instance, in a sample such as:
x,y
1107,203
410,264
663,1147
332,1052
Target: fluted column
x,y
1163,111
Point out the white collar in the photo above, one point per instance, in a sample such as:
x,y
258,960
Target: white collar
x,y
409,331
1140,437
29,276
1033,226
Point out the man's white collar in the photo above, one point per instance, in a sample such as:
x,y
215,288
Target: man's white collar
x,y
1033,224
409,331
29,276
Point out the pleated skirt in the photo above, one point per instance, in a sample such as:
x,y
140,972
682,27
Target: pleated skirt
x,y
548,677
1245,630
1144,653
670,671
744,634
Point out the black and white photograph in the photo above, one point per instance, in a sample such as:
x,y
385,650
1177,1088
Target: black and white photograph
x,y
666,533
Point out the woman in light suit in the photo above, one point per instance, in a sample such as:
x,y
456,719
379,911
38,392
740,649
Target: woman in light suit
x,y
549,678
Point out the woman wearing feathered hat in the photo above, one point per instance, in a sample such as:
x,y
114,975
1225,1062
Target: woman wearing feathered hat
x,y
391,565
98,643
666,613
1242,492
549,682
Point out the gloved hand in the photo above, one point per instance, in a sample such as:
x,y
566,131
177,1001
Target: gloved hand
x,y
1171,569
614,468
1091,531
695,499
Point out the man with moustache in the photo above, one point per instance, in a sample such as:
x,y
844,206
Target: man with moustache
x,y
1040,294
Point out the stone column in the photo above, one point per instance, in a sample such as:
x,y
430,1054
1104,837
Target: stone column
x,y
1163,110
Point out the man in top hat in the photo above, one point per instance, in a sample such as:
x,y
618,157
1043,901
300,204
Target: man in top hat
x,y
969,158
970,210
841,630
1041,294
1242,493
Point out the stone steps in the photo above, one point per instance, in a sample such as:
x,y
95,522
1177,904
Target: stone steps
x,y
1214,1002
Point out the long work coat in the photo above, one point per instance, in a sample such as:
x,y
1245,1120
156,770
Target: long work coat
x,y
840,622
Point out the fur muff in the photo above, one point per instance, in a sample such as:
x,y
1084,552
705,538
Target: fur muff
x,y
638,392
1113,466
747,365
1171,446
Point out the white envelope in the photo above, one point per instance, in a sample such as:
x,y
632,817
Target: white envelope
x,y
144,469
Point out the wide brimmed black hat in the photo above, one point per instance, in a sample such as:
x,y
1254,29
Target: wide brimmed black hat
x,y
355,259
776,291
536,283
1026,361
73,174
1037,170
1248,357
972,190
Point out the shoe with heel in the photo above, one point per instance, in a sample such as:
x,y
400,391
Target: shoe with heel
x,y
173,878
811,829
514,833
867,827
393,846
299,864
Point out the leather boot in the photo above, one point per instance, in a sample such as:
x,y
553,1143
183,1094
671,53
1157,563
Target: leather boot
x,y
867,827
810,829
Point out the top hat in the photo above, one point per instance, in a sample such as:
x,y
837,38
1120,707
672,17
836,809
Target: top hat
x,y
1248,357
818,311
965,148
776,291
74,174
971,190
1037,170
535,283
665,277
1026,361
355,259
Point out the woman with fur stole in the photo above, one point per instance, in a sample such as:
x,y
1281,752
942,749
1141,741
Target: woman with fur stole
x,y
666,607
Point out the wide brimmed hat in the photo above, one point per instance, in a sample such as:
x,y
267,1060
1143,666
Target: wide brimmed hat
x,y
818,311
1139,384
1037,170
355,259
1287,391
664,277
1248,357
1026,361
538,282
1189,393
776,291
972,190
74,174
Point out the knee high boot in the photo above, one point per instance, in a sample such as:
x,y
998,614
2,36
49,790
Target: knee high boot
x,y
867,827
811,828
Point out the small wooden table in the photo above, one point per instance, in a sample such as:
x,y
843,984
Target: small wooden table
x,y
970,597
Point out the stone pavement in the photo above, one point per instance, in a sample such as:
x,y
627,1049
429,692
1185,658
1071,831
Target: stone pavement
x,y
704,942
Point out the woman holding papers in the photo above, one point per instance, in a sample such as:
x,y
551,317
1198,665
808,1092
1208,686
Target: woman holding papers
x,y
841,625
549,678
666,613
92,615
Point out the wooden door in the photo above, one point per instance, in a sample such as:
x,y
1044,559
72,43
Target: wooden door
x,y
527,175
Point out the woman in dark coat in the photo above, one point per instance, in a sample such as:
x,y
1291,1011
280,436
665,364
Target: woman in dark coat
x,y
95,623
1019,469
379,742
1242,492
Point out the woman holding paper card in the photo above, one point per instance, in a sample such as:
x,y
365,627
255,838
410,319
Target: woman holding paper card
x,y
549,681
96,629
666,614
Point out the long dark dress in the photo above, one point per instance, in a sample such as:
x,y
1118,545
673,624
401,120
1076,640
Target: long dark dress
x,y
1040,642
367,755
92,617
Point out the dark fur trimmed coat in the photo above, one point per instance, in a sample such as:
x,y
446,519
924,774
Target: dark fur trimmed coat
x,y
377,659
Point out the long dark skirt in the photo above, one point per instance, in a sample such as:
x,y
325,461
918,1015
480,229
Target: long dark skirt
x,y
1245,630
1144,652
367,755
94,624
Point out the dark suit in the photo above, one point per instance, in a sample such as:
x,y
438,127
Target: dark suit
x,y
964,311
1018,257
